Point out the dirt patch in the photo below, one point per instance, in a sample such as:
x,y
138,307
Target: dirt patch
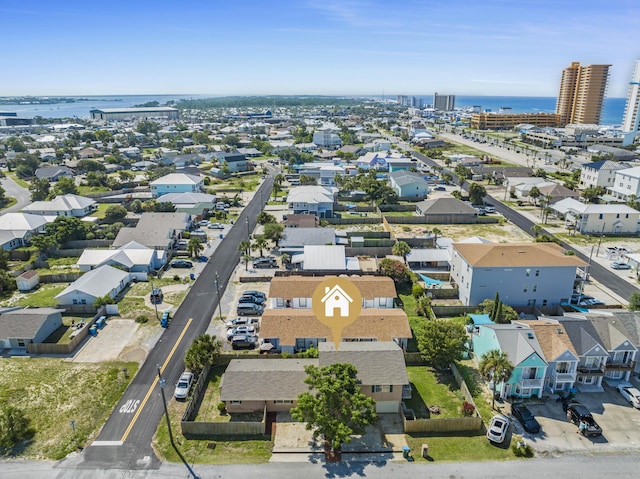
x,y
109,342
497,233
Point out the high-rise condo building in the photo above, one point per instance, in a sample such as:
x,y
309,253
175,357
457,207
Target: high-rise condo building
x,y
630,119
444,102
582,90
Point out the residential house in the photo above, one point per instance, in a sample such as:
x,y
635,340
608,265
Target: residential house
x,y
400,164
89,152
327,138
176,183
381,369
555,192
97,283
559,352
19,327
234,160
54,173
627,322
16,229
324,172
324,258
374,160
65,205
180,161
318,200
295,239
409,185
592,353
626,184
525,274
249,385
598,218
301,221
296,329
155,230
600,173
132,257
378,144
521,345
428,258
622,352
189,200
447,211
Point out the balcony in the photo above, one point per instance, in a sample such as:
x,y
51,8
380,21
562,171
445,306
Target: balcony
x,y
628,366
531,383
564,377
590,371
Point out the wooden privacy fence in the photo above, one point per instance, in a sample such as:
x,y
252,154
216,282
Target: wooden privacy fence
x,y
203,430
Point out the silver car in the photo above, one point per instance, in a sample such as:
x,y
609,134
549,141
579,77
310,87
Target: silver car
x,y
183,386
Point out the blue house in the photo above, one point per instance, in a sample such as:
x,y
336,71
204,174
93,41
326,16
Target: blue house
x,y
176,183
523,349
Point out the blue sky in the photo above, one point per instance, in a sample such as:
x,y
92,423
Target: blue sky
x,y
368,47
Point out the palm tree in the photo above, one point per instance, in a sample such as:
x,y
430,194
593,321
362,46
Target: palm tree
x,y
534,193
194,247
435,232
536,230
244,247
495,365
260,243
246,258
401,249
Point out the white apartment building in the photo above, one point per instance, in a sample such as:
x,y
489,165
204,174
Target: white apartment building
x,y
626,184
600,173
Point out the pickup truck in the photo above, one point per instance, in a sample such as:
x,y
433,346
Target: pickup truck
x,y
579,413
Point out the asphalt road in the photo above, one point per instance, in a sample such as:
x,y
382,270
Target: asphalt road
x,y
13,189
125,439
612,281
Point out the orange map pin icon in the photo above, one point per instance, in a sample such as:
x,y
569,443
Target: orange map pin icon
x,y
336,303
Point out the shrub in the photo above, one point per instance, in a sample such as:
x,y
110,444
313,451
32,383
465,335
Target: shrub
x,y
222,408
286,354
521,448
417,291
176,277
142,318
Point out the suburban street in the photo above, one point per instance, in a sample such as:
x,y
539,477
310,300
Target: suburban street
x,y
13,189
125,439
584,466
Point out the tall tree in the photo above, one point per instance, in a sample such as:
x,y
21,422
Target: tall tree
x,y
203,350
534,194
476,194
334,408
65,186
441,342
273,232
244,247
39,189
260,244
401,248
495,366
194,247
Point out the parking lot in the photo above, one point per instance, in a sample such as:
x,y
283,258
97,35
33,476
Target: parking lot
x,y
619,421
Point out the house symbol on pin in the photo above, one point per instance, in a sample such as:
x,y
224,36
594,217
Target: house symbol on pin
x,y
336,298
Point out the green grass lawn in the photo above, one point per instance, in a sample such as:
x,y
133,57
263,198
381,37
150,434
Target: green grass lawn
x,y
52,392
399,213
19,181
87,190
64,261
43,297
458,447
10,202
434,388
101,211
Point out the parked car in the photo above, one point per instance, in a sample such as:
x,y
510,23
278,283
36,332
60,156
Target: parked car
x,y
490,209
244,342
203,223
439,188
241,322
258,294
181,263
498,428
620,265
246,330
248,298
215,226
183,386
156,296
630,393
249,309
578,413
577,298
526,418
268,262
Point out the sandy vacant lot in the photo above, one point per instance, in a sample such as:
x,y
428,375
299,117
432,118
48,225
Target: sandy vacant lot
x,y
497,233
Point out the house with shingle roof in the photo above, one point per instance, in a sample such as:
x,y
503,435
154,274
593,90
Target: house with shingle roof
x,y
622,351
64,205
250,385
19,327
54,173
17,228
447,211
600,173
525,274
156,230
293,330
176,183
521,345
408,185
598,218
132,257
557,348
627,322
102,281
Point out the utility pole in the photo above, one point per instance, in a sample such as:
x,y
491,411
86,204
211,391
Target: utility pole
x,y
219,298
600,239
161,381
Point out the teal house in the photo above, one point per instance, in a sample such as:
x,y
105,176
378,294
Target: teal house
x,y
521,345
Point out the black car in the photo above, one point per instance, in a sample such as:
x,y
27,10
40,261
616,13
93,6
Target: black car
x,y
181,263
269,262
526,418
578,413
257,294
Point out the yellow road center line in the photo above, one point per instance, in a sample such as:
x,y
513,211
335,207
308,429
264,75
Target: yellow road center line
x,y
155,381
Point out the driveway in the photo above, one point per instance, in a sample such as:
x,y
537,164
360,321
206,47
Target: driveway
x,y
619,421
109,342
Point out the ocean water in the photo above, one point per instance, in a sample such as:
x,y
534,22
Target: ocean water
x,y
612,111
611,114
